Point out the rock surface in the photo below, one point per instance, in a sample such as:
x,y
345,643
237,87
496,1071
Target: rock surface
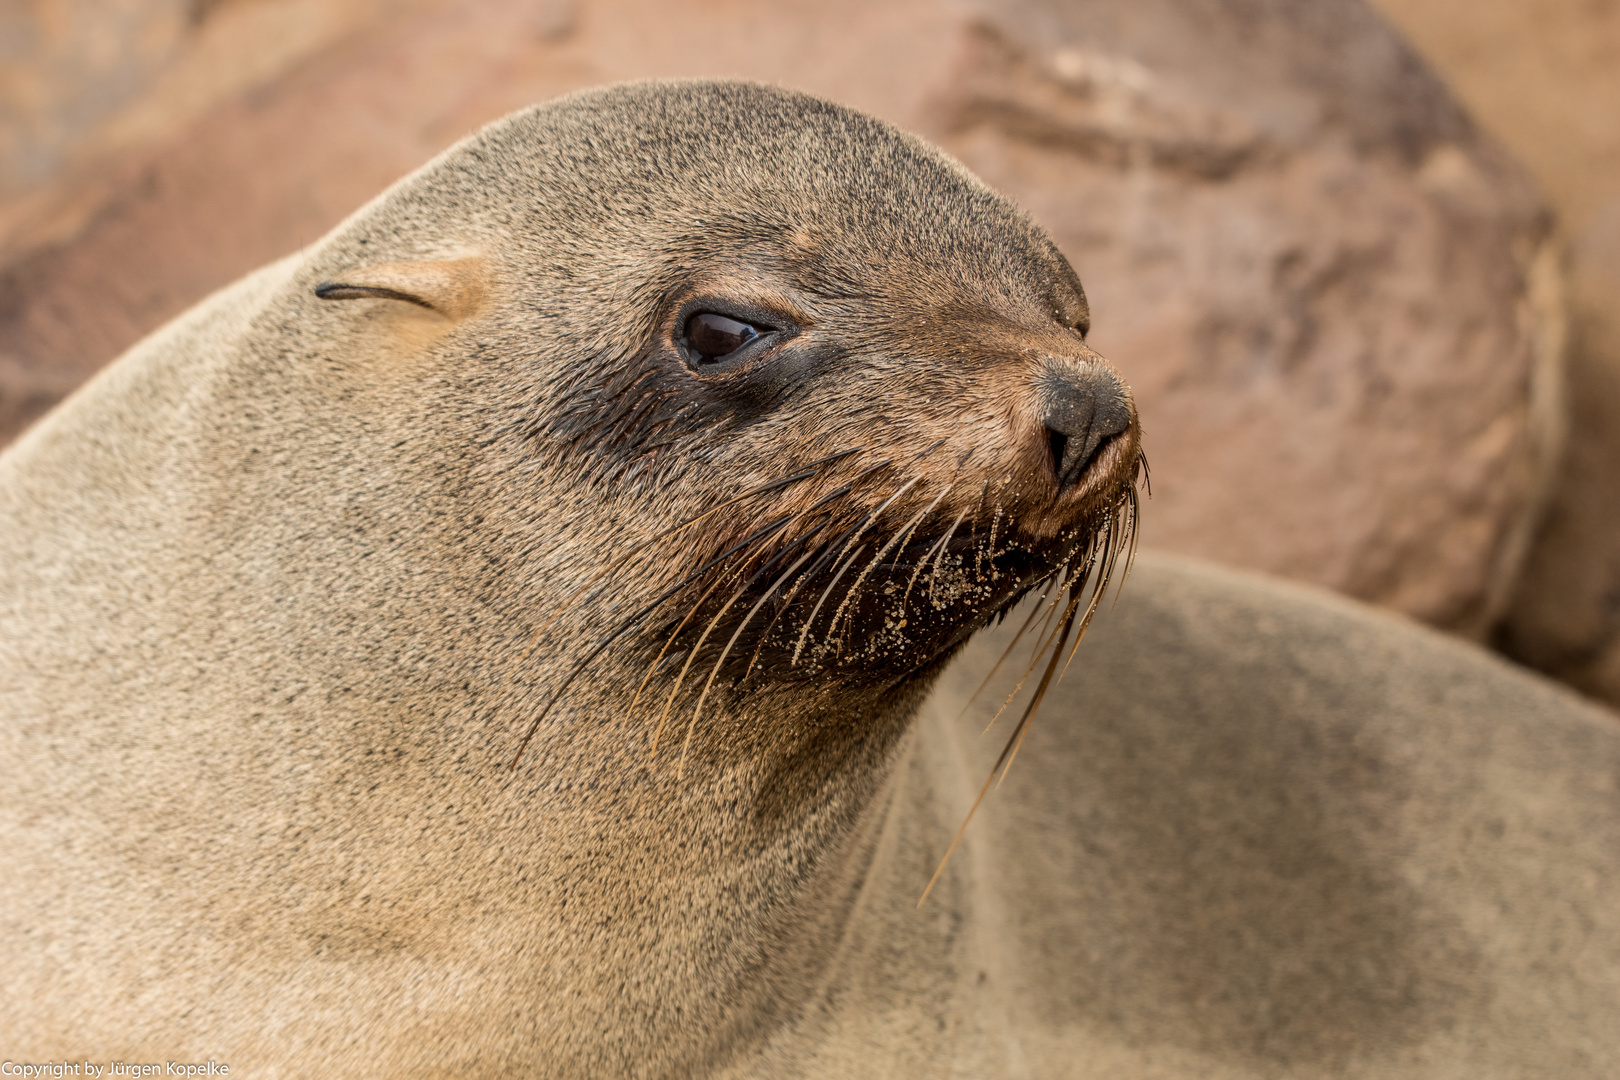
x,y
67,67
1565,619
1332,296
1545,76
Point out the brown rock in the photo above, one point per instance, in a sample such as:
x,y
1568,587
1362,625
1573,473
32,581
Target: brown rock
x,y
1565,619
1545,75
97,96
68,65
1327,289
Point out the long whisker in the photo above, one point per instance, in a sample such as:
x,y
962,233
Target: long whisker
x,y
1132,513
1044,633
787,599
1096,562
1045,639
990,548
1105,570
1024,722
775,485
663,717
741,589
1112,544
922,563
926,451
699,603
898,540
944,543
633,619
1007,751
842,568
973,535
704,696
1040,607
856,535
696,606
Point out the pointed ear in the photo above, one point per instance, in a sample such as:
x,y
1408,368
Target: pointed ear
x,y
452,287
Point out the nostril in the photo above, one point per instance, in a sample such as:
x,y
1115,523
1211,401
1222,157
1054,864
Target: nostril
x,y
1058,442
1070,456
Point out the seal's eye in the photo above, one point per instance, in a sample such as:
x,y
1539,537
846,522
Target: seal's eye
x,y
713,337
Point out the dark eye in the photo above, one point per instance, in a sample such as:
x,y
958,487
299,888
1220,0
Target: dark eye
x,y
713,337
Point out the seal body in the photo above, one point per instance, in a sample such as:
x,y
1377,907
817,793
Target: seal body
x,y
480,644
1258,831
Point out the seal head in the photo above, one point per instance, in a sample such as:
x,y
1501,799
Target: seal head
x,y
840,386
544,569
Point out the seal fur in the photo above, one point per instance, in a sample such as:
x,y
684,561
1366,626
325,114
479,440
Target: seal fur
x,y
332,605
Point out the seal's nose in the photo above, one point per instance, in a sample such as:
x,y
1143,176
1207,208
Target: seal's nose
x,y
1083,406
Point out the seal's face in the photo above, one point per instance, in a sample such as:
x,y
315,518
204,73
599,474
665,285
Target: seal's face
x,y
912,397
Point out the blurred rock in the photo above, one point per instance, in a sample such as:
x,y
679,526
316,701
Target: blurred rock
x,y
68,65
1545,76
94,95
1566,617
1333,297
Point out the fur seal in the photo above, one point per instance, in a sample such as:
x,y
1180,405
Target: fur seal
x,y
481,644
286,589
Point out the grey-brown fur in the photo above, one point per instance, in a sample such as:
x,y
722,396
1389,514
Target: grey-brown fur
x,y
284,589
288,587
1264,832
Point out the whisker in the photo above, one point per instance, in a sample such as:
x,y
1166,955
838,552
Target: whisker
x,y
1039,607
669,702
806,538
1045,638
973,528
1006,752
1024,723
775,485
787,599
697,605
1104,572
1094,563
927,451
702,638
642,613
923,562
1132,512
859,529
943,545
803,634
898,540
990,548
692,725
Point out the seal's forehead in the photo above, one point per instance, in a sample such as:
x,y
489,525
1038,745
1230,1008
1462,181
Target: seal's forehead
x,y
712,126
640,169
697,145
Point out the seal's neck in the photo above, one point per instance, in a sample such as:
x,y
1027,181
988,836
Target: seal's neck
x,y
682,917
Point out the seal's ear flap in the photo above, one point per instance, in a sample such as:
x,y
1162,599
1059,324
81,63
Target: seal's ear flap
x,y
452,287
